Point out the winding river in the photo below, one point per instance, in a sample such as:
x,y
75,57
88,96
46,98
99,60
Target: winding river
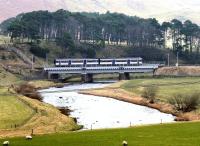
x,y
95,112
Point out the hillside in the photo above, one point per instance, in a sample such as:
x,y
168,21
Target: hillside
x,y
163,10
7,78
20,114
16,64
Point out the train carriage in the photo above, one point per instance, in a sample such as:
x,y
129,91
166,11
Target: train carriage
x,y
98,62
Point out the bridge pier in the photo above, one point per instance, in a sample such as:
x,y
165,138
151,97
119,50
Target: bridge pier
x,y
127,76
87,78
124,76
53,76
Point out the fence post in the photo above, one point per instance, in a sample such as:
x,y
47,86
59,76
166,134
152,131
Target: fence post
x,y
31,131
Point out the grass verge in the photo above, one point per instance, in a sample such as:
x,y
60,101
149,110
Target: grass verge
x,y
13,111
181,134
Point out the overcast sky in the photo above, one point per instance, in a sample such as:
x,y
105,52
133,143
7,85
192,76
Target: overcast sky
x,y
161,9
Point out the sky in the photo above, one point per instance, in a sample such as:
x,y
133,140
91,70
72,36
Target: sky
x,y
160,9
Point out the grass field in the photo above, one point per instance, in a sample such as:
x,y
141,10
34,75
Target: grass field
x,y
4,39
6,78
13,111
167,87
182,134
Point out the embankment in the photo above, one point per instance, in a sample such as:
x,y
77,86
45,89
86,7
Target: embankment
x,y
178,71
46,119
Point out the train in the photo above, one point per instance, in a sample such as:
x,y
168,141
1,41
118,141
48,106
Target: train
x,y
98,62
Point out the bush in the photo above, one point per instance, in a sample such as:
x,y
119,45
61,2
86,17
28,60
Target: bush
x,y
3,57
185,102
87,51
38,51
29,91
12,57
150,93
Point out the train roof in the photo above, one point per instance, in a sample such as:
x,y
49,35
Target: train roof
x,y
105,59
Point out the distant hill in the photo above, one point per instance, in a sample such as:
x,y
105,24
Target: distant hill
x,y
160,9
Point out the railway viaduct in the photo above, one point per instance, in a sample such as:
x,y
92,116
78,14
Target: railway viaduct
x,y
88,72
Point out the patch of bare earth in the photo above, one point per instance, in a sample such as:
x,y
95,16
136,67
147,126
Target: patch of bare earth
x,y
179,71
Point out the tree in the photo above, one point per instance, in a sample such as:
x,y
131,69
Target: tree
x,y
164,28
176,26
101,29
190,30
15,29
67,45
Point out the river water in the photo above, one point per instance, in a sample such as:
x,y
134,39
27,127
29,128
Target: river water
x,y
95,112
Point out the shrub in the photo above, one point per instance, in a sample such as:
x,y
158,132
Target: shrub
x,y
38,51
29,91
185,102
3,57
150,93
12,57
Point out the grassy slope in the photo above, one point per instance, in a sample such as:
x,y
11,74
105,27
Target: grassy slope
x,y
6,78
167,87
4,39
43,118
184,134
20,110
13,111
46,119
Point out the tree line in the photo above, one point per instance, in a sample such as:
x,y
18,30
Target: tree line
x,y
108,28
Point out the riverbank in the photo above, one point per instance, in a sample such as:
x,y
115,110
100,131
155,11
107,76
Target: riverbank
x,y
48,119
98,112
45,118
44,84
117,92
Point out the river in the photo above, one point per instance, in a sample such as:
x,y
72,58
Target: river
x,y
95,112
